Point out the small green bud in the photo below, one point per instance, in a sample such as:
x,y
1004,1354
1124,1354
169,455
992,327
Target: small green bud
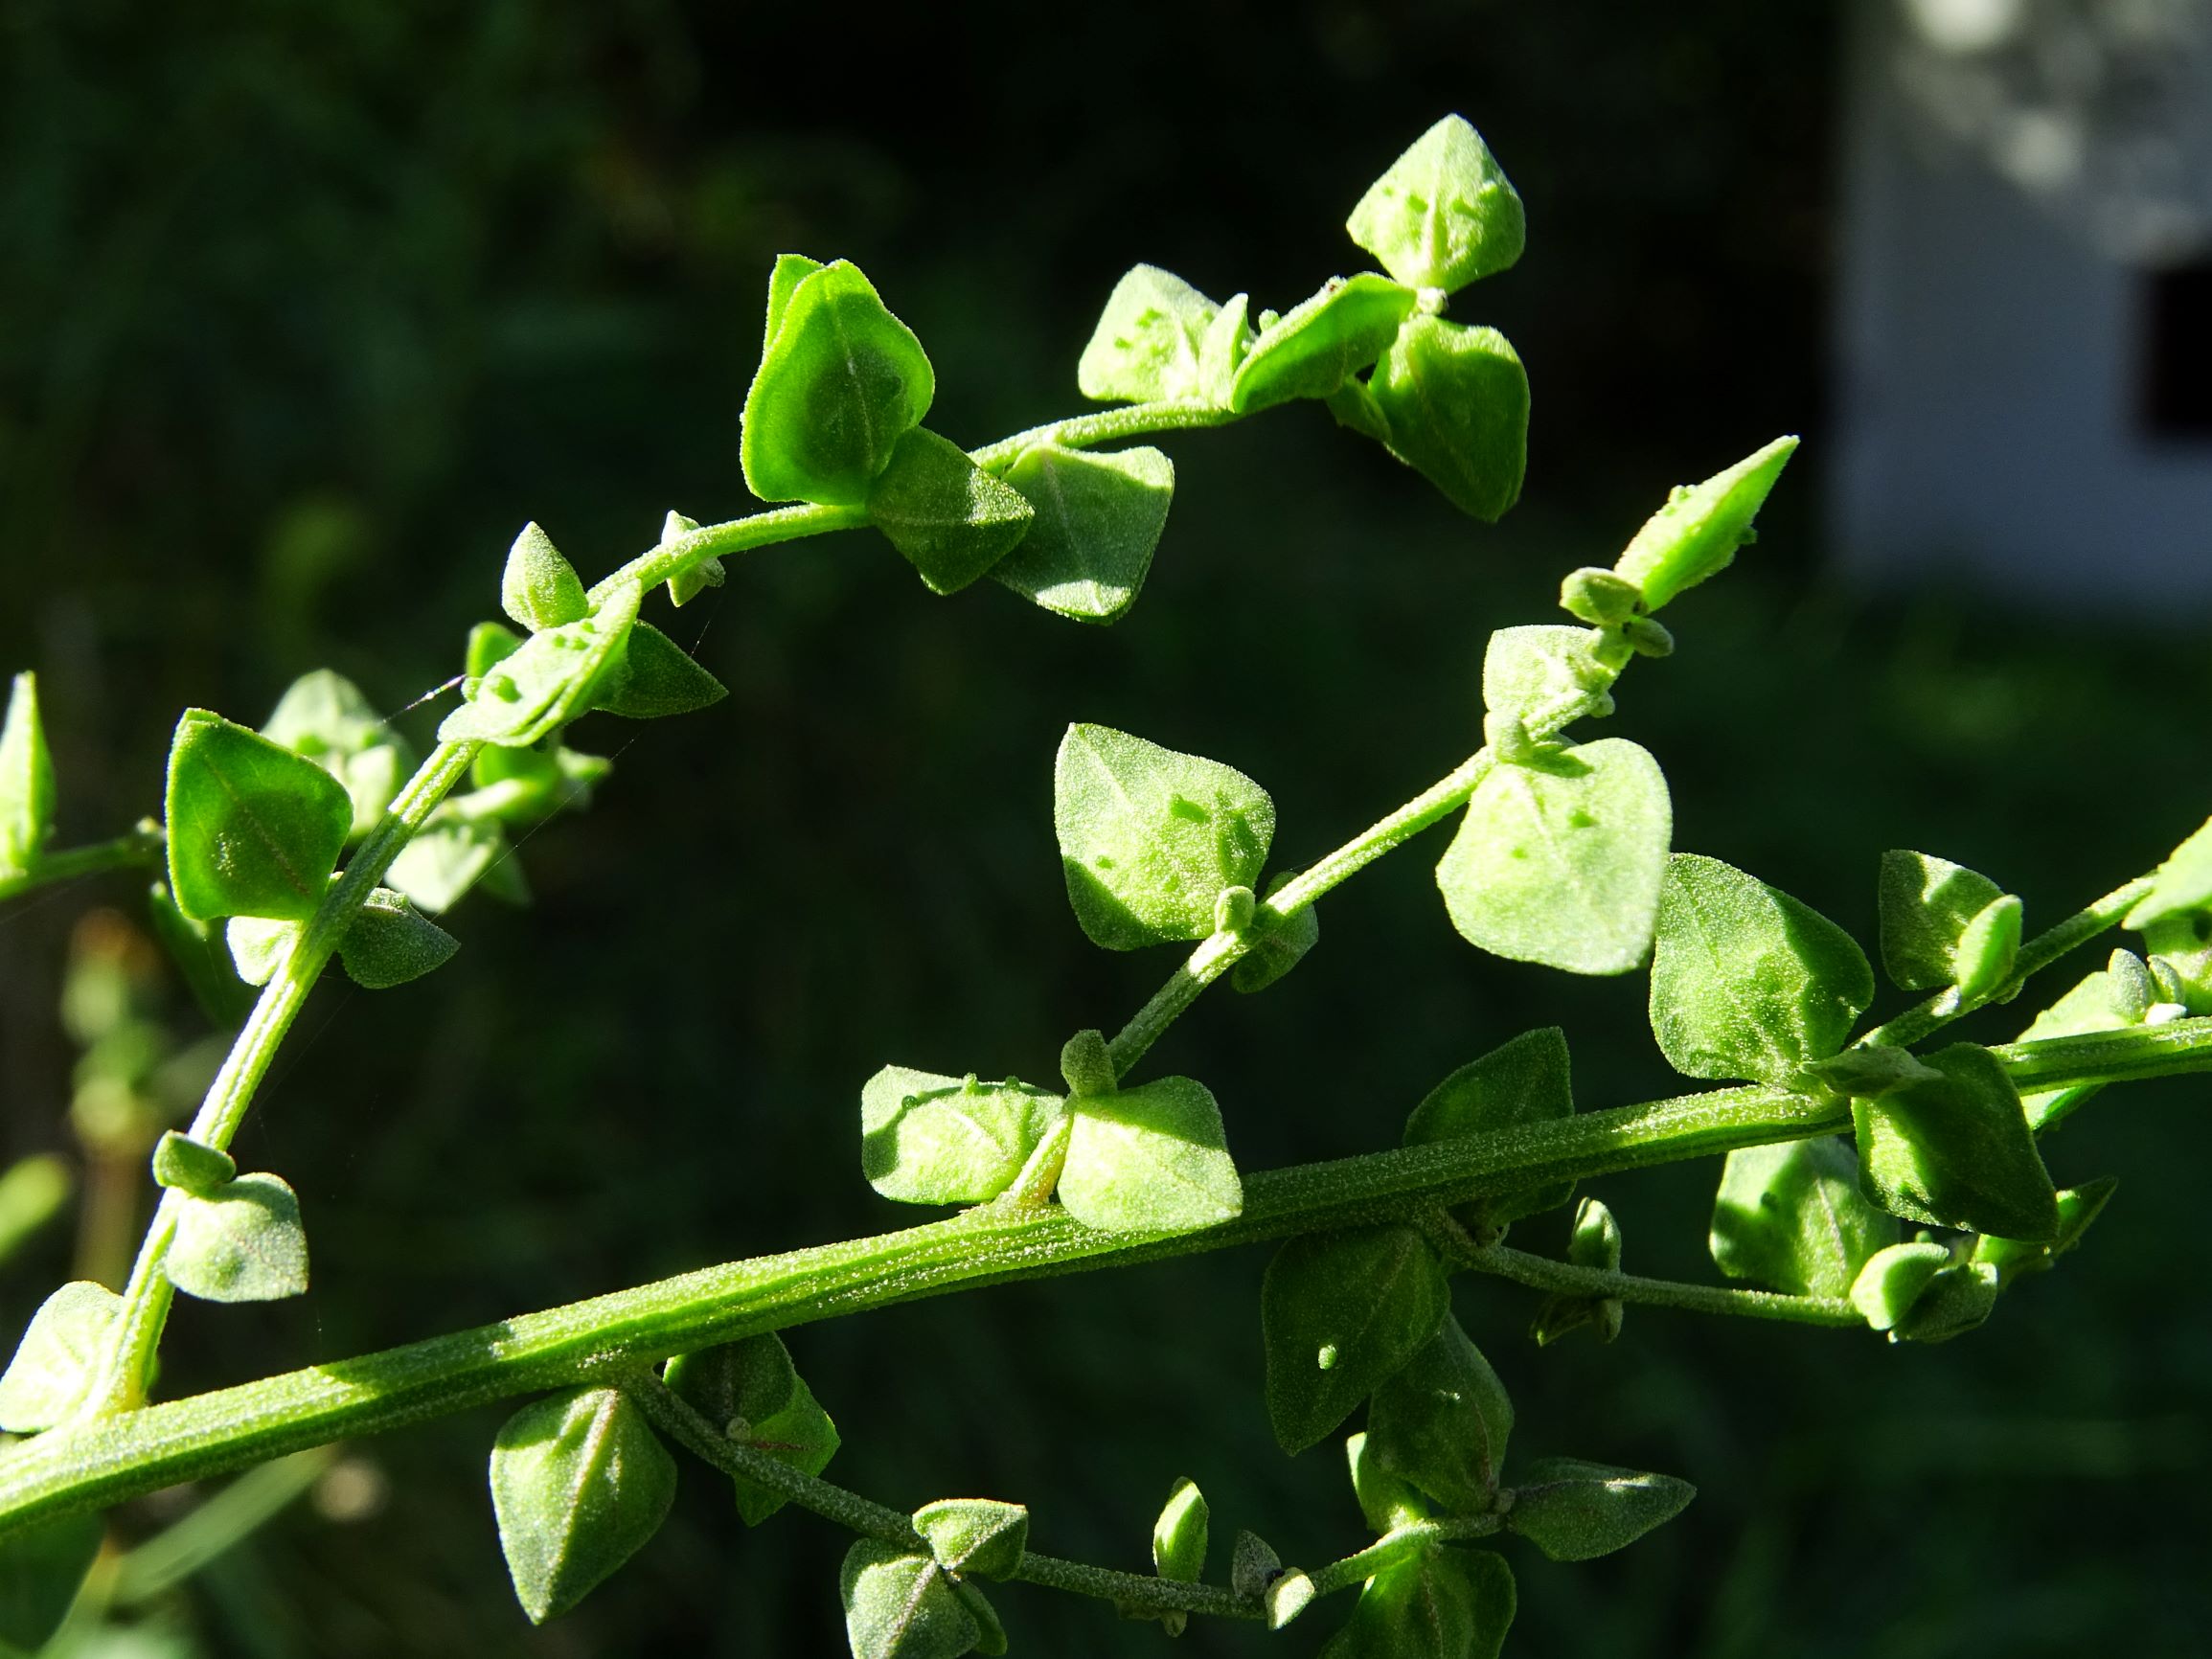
x,y
1253,1565
1508,738
1233,908
1598,597
1892,1281
540,589
1868,1073
688,584
1289,1595
1086,1065
1648,637
1281,942
191,1166
1956,1300
974,1536
1179,1535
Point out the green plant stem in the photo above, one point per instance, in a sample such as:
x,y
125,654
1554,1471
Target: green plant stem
x,y
119,1383
2112,1056
137,849
95,1462
2036,955
1396,1545
1106,427
1216,954
658,564
675,1417
1542,1273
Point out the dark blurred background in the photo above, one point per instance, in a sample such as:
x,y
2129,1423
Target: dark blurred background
x,y
307,310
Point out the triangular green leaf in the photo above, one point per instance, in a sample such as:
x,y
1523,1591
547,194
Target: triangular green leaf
x,y
899,1606
389,943
784,279
979,1537
951,519
1442,1604
539,589
1149,341
751,1391
43,1566
688,583
1097,519
1455,402
1545,676
324,716
54,1361
1152,1159
1521,1082
2183,884
259,945
1745,981
1957,1151
657,678
549,680
1149,837
1926,905
1339,1313
1443,214
1696,534
840,382
1574,1511
1560,861
1312,350
447,859
578,1483
241,1242
927,1139
1792,1218
254,829
1441,1423
26,780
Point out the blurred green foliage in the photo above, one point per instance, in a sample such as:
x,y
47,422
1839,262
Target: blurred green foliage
x,y
310,308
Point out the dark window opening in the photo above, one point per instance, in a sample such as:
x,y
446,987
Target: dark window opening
x,y
2175,374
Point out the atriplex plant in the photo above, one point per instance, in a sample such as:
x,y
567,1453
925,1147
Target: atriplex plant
x,y
1562,858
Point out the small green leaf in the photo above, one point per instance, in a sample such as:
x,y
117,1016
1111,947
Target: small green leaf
x,y
1455,402
1595,1242
1546,676
1317,346
1339,1313
43,1566
1989,948
974,1536
2113,998
784,279
1956,1300
1927,905
1441,1423
241,1242
259,945
26,780
1443,214
1253,1564
1097,519
1152,1159
1957,1151
1599,598
54,1361
1696,534
254,829
1387,1502
539,589
1892,1280
688,583
951,519
751,1391
324,716
927,1139
1149,342
191,1166
2078,1206
489,644
1179,1535
1149,838
2183,884
1745,981
1287,1595
1792,1217
578,1483
1442,1604
1228,342
389,943
656,677
1521,1082
1352,407
1560,861
990,1637
447,859
1278,945
550,679
899,1606
840,382
1574,1511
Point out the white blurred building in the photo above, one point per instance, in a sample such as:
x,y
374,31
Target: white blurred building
x,y
2024,319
